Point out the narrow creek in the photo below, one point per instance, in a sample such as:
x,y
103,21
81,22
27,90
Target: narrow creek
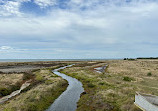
x,y
67,101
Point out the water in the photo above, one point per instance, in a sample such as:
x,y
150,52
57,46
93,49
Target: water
x,y
36,60
30,60
6,98
67,101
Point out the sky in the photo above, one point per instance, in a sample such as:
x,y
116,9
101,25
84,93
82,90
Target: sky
x,y
78,29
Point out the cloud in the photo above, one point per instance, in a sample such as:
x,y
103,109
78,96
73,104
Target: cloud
x,y
85,29
45,3
5,48
9,8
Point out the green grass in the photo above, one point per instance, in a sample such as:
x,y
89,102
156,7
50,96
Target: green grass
x,y
46,99
113,90
43,91
104,92
4,91
126,78
90,85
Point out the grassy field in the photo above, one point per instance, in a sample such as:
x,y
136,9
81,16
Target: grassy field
x,y
10,83
115,89
7,80
44,89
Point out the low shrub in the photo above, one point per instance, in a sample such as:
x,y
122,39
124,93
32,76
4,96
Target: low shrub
x,y
39,78
90,85
101,83
27,76
126,78
15,87
4,91
54,76
149,74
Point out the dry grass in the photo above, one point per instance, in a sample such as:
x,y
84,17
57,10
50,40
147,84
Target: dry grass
x,y
137,68
7,80
10,83
115,89
40,96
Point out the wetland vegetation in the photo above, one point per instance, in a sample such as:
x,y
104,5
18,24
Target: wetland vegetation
x,y
112,90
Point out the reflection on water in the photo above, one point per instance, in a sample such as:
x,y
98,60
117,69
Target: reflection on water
x,y
67,101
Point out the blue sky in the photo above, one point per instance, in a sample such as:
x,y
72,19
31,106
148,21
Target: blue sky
x,y
78,29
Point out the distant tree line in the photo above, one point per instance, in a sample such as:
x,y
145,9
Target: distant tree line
x,y
140,58
147,58
129,59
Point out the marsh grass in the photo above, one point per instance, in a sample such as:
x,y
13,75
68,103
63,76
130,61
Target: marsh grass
x,y
10,83
115,89
126,78
45,88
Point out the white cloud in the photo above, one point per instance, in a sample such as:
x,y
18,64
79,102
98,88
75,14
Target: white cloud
x,y
45,3
10,8
112,30
9,49
5,48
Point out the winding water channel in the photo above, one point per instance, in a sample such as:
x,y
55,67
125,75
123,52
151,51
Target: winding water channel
x,y
67,101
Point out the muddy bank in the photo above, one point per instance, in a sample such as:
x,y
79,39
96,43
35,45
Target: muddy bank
x,y
27,66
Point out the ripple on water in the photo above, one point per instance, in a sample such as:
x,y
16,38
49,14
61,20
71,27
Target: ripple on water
x,y
67,101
